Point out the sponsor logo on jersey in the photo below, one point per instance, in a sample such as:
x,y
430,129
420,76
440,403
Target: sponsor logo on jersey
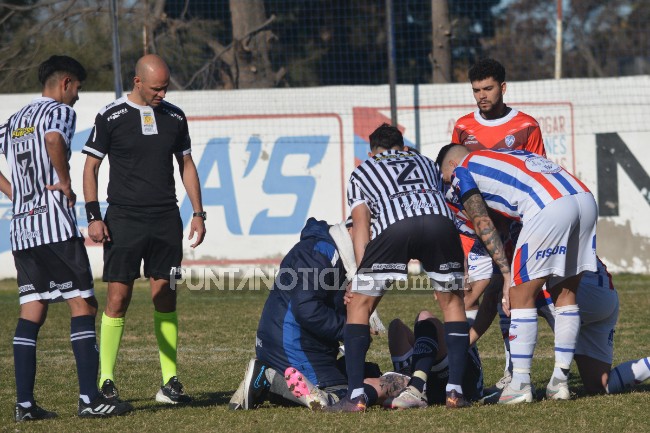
x,y
548,252
538,164
117,114
20,135
173,114
26,235
36,211
413,191
510,140
417,204
470,140
62,286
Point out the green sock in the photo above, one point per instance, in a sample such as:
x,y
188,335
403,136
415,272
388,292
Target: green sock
x,y
166,326
112,329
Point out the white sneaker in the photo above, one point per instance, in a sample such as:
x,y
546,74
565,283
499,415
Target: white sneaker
x,y
510,395
557,389
500,385
409,398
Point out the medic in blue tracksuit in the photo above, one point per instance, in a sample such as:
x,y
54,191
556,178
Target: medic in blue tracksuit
x,y
302,321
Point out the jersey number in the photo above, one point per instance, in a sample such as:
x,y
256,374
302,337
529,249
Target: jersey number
x,y
406,175
25,176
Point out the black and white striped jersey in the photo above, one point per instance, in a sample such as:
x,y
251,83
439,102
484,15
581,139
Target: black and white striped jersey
x,y
396,185
40,216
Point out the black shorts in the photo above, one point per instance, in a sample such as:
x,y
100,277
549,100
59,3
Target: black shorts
x,y
152,235
431,239
54,272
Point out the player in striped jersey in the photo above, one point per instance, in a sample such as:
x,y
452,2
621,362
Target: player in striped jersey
x,y
556,244
399,213
49,254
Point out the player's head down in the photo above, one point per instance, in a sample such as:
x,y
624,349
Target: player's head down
x,y
61,77
487,68
60,65
448,159
386,137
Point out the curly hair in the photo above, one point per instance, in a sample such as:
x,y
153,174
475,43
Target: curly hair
x,y
487,68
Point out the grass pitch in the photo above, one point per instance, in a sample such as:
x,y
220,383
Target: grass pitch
x,y
217,336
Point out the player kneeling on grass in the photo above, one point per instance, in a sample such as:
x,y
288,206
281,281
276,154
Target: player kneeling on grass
x,y
302,323
594,352
422,354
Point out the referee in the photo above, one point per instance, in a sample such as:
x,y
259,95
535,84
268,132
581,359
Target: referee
x,y
141,133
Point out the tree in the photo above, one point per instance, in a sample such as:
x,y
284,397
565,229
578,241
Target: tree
x,y
441,53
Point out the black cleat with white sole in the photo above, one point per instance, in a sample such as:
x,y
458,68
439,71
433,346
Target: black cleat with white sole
x,y
32,413
172,393
103,407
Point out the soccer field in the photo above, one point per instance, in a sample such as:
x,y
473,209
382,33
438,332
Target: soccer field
x,y
217,335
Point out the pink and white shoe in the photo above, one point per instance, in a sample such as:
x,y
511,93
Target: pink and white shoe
x,y
307,393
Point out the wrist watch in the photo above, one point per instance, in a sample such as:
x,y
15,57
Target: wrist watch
x,y
200,214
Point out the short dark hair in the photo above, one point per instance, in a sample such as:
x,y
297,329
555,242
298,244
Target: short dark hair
x,y
443,152
386,137
57,64
487,68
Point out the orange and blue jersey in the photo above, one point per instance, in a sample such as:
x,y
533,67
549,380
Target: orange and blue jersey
x,y
515,183
515,130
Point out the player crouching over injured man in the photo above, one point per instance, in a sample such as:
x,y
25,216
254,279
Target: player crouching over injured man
x,y
301,327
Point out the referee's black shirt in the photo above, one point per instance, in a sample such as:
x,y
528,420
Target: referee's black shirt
x,y
140,142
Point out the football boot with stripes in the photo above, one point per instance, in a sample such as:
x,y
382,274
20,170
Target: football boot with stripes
x,y
103,407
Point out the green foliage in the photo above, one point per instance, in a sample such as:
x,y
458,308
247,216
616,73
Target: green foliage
x,y
217,334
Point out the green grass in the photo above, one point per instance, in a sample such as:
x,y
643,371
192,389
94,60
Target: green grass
x,y
217,335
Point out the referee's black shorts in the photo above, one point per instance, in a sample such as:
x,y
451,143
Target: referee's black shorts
x,y
149,234
431,239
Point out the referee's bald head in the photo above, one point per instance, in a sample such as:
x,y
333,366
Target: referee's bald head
x,y
150,64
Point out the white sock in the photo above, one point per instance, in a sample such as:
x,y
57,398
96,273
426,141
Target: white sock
x,y
523,337
471,316
84,398
25,404
451,387
627,374
356,393
567,327
504,324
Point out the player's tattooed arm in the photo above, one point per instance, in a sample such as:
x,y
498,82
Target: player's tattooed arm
x,y
478,212
392,384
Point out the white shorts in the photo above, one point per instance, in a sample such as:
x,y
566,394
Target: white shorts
x,y
560,241
598,303
480,265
